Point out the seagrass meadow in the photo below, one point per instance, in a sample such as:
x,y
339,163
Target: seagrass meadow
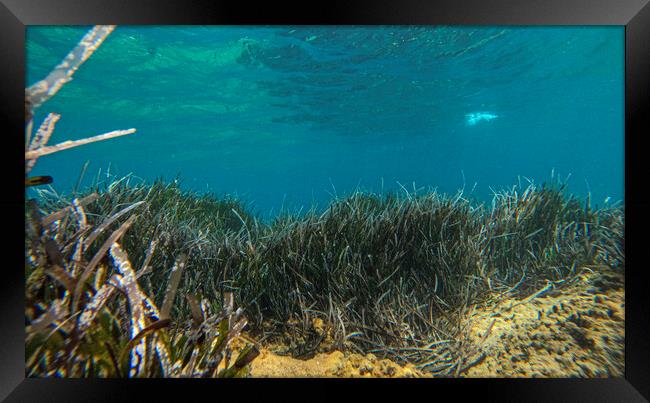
x,y
392,276
266,273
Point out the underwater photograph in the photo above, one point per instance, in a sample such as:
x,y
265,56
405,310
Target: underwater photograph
x,y
324,201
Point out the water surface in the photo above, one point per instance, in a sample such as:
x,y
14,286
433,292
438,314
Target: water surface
x,y
292,116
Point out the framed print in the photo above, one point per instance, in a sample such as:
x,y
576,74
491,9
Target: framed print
x,y
444,193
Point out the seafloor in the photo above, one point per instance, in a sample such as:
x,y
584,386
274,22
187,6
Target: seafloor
x,y
561,315
576,330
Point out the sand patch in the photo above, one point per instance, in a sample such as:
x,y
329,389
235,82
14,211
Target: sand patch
x,y
577,331
271,363
328,365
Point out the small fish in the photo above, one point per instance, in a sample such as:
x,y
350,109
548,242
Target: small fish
x,y
38,180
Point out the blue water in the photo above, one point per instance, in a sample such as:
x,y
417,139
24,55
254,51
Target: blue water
x,y
291,116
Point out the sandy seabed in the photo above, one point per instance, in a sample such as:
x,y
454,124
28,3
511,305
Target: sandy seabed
x,y
574,330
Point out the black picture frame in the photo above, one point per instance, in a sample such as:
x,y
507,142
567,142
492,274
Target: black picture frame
x,y
15,15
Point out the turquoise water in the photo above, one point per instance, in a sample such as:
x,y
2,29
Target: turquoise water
x,y
286,117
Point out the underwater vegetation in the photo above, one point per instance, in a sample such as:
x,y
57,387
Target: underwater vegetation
x,y
90,318
390,275
77,322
